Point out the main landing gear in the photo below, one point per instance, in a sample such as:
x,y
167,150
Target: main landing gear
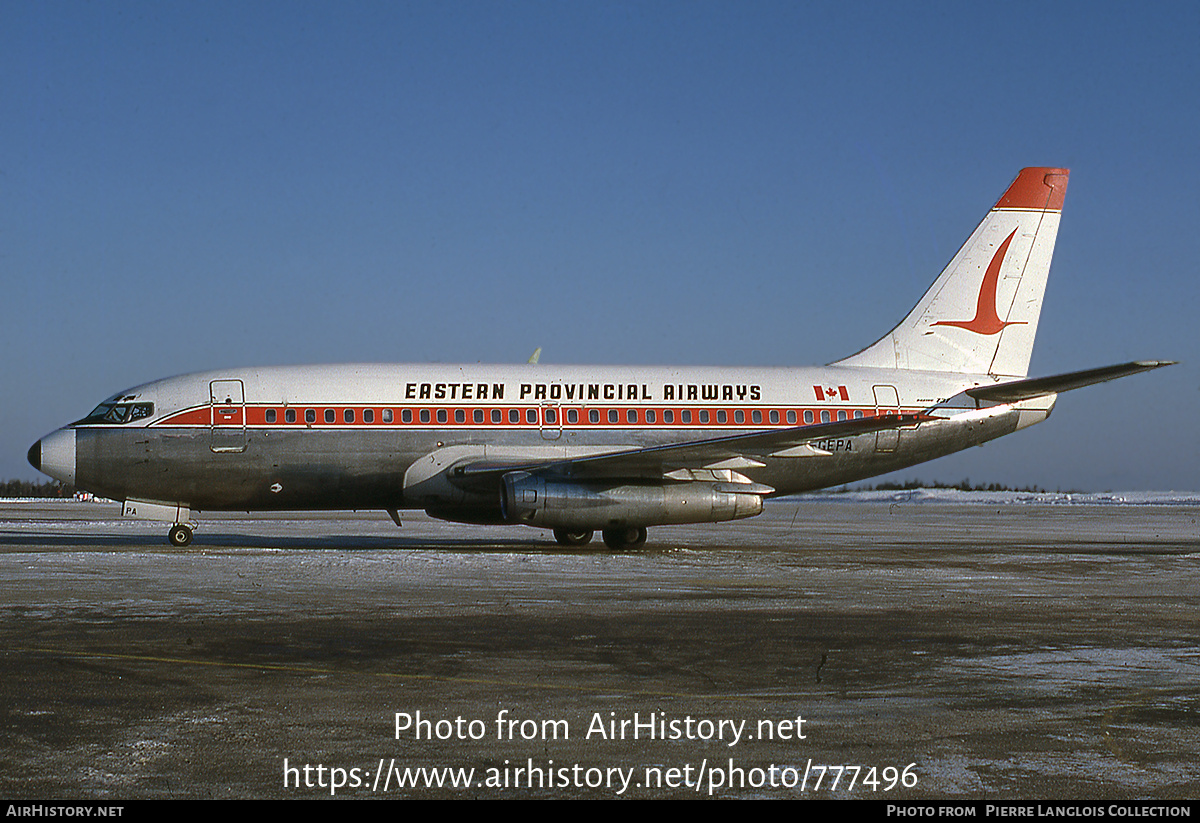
x,y
180,535
629,537
571,537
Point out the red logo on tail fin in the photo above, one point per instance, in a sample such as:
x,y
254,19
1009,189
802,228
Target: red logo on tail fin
x,y
986,320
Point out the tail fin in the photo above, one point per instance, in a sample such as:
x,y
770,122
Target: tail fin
x,y
981,314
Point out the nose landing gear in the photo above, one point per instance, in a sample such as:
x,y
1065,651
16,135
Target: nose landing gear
x,y
180,535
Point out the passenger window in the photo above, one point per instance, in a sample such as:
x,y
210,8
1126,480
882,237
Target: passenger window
x,y
531,416
825,416
478,415
685,416
424,415
514,416
841,415
405,415
668,416
387,416
270,415
791,417
497,416
739,416
348,415
460,416
289,415
441,415
368,415
593,415
774,415
650,415
551,416
808,416
631,416
721,416
704,416
329,415
614,416
572,416
310,415
858,414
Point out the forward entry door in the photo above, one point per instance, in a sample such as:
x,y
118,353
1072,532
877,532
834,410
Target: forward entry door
x,y
227,406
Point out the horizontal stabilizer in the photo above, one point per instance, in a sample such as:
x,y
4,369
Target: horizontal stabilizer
x,y
1042,386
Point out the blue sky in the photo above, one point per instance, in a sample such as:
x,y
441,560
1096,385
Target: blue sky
x,y
187,186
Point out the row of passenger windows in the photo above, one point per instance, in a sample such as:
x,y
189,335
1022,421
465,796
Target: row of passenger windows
x,y
571,417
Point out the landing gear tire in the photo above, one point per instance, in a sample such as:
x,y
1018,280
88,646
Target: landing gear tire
x,y
567,537
180,535
630,537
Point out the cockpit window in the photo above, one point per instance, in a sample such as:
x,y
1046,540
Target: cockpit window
x,y
119,412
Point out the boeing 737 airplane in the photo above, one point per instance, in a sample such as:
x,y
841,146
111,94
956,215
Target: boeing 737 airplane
x,y
576,449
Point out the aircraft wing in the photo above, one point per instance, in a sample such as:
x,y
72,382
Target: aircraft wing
x,y
1041,386
657,461
745,450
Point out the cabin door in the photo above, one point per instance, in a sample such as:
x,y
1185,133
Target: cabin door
x,y
227,406
887,401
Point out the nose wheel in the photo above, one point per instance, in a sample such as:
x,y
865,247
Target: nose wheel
x,y
180,535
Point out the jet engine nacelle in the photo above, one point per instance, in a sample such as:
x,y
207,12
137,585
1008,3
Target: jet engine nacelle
x,y
588,505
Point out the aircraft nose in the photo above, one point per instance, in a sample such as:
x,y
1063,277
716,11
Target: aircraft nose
x,y
54,455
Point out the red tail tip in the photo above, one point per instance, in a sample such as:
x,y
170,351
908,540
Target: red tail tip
x,y
1036,188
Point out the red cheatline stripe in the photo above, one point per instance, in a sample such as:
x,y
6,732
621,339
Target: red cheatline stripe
x,y
255,416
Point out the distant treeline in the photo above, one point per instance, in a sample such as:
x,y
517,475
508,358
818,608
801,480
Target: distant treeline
x,y
963,485
27,488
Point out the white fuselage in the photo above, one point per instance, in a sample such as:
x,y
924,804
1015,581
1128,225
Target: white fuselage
x,y
383,436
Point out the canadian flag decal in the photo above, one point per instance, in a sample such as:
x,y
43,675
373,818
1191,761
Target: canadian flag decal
x,y
831,392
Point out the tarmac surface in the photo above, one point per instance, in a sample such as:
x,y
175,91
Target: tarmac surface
x,y
824,649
